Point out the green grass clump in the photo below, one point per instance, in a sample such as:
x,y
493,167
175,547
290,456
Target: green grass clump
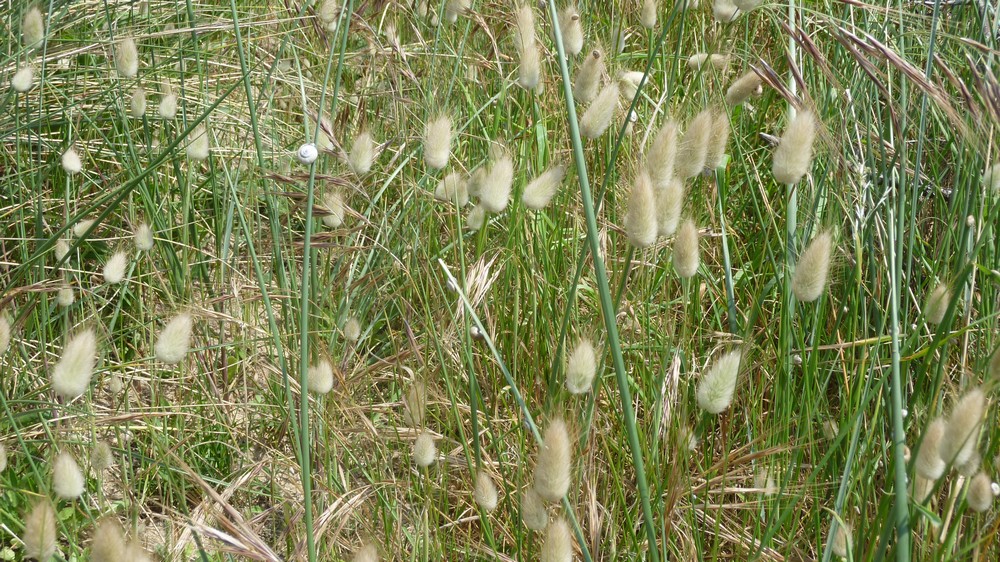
x,y
336,266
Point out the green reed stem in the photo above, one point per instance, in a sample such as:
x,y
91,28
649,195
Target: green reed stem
x,y
607,306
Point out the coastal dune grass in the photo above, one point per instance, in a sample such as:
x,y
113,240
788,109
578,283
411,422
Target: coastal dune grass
x,y
362,356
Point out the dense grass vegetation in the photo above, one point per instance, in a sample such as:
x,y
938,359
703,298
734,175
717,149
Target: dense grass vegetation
x,y
447,336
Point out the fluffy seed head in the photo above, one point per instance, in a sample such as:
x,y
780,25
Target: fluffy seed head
x,y
454,8
127,58
424,450
747,5
168,106
5,333
33,27
40,531
114,268
533,512
109,542
991,178
555,457
525,28
581,367
3,458
352,329
367,553
62,248
453,188
640,218
693,149
137,104
102,457
143,237
937,304
717,141
743,87
198,146
697,61
24,79
662,153
362,154
320,377
929,463
686,255
970,467
71,375
65,297
437,142
922,488
540,191
588,78
718,384
529,71
333,203
794,154
809,279
598,116
669,204
724,10
415,405
135,553
962,432
71,163
485,492
81,228
572,30
647,16
494,193
328,13
979,496
67,479
842,540
628,83
476,218
175,339
558,545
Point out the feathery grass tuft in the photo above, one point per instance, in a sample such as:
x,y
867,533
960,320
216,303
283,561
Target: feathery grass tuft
x,y
71,375
640,220
718,385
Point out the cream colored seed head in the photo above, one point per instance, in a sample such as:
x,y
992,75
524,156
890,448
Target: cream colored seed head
x,y
718,385
485,492
71,375
174,340
540,191
793,157
742,88
555,457
809,279
127,58
693,149
598,116
686,254
437,142
572,30
533,512
669,205
588,78
581,367
68,482
320,377
640,219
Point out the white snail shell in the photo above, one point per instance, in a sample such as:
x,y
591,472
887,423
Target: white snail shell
x,y
307,153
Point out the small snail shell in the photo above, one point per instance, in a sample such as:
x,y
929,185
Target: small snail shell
x,y
307,153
